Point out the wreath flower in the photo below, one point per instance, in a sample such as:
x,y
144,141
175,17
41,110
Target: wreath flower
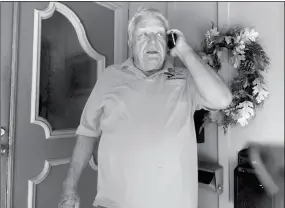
x,y
248,87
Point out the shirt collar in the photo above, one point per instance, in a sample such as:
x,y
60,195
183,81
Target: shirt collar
x,y
129,64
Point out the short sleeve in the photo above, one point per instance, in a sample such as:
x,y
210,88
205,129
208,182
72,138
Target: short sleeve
x,y
197,100
93,110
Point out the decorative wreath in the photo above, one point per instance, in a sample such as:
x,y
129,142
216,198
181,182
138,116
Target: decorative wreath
x,y
248,87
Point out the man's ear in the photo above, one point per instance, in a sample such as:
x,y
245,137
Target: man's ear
x,y
130,48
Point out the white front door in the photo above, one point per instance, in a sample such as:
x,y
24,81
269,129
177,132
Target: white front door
x,y
56,51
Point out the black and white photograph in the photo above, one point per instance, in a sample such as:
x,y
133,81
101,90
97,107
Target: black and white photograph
x,y
142,104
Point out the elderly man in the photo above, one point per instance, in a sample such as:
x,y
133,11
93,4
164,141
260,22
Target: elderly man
x,y
143,112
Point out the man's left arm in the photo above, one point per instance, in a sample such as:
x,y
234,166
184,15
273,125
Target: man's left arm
x,y
210,85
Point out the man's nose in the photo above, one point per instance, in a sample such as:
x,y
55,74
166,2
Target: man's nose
x,y
152,38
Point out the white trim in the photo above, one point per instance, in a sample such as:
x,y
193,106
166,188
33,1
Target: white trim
x,y
224,143
110,5
84,43
120,29
32,184
13,102
121,36
224,160
223,14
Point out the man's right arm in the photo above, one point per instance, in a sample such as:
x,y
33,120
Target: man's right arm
x,y
81,155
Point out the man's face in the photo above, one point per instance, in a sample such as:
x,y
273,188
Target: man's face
x,y
149,43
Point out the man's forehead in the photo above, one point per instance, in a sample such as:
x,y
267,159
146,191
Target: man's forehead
x,y
150,21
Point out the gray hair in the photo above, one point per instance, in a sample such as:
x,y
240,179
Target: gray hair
x,y
142,12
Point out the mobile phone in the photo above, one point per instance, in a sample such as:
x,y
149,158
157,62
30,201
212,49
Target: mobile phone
x,y
171,40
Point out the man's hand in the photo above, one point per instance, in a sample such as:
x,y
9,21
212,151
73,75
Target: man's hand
x,y
181,45
268,162
70,200
81,155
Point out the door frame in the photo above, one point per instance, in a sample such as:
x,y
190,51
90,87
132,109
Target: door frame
x,y
13,101
225,199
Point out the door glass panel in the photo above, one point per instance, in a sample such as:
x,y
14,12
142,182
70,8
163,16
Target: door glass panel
x,y
67,74
99,24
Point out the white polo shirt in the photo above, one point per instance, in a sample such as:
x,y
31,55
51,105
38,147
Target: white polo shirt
x,y
147,155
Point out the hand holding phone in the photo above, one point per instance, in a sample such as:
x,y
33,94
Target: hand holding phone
x,y
177,44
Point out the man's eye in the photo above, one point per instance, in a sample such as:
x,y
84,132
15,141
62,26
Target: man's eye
x,y
160,35
142,36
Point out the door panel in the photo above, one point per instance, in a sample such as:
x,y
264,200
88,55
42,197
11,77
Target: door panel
x,y
40,164
67,74
65,69
101,38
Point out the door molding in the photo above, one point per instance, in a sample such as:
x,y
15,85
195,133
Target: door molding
x,y
32,187
40,15
224,142
13,102
120,31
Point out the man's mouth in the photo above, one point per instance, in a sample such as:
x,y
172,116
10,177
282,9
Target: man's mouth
x,y
152,52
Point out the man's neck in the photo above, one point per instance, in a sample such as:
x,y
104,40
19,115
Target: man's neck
x,y
149,73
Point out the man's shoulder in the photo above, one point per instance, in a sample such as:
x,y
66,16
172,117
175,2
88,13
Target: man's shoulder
x,y
112,67
176,73
120,67
115,72
111,70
